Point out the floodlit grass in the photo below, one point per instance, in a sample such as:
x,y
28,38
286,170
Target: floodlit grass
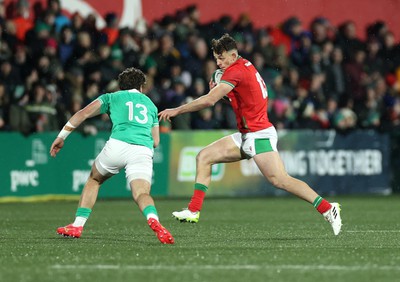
x,y
263,239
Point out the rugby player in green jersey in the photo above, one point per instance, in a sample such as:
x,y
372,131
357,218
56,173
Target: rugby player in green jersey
x,y
135,134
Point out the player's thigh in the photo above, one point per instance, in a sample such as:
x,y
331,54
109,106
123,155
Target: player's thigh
x,y
271,165
224,150
262,147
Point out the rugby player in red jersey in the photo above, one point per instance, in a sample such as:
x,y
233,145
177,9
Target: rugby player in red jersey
x,y
257,137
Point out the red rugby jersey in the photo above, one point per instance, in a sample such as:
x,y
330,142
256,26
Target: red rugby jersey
x,y
249,96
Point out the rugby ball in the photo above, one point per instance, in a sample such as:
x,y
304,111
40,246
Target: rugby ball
x,y
216,76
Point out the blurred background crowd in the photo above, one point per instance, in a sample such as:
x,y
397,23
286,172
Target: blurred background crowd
x,y
318,77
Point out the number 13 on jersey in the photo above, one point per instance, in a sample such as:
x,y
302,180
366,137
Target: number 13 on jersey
x,y
140,116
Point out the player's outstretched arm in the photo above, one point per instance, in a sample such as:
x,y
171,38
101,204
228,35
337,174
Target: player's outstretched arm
x,y
200,103
90,110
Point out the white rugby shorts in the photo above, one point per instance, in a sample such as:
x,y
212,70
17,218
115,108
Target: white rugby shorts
x,y
137,160
254,143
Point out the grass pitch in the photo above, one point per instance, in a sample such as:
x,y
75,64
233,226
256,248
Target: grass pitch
x,y
263,239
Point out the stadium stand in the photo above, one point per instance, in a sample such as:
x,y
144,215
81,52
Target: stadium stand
x,y
319,77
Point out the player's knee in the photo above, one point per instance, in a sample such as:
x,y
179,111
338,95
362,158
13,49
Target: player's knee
x,y
203,157
277,181
140,191
140,195
274,181
136,196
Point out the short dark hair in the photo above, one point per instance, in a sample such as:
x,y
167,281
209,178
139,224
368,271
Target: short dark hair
x,y
225,43
131,78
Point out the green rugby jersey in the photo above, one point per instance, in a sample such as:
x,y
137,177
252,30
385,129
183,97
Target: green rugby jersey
x,y
133,115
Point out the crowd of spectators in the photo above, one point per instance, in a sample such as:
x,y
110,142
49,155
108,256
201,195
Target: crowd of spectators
x,y
318,77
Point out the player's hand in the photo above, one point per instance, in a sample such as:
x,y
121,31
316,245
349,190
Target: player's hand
x,y
56,146
167,114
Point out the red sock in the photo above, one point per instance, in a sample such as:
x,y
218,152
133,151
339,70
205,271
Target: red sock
x,y
197,200
324,206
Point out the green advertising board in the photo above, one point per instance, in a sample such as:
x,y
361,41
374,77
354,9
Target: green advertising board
x,y
331,163
28,171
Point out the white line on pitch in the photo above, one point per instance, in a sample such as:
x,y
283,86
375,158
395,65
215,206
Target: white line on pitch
x,y
372,231
231,267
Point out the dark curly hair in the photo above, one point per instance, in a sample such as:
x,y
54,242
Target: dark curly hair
x,y
225,43
131,78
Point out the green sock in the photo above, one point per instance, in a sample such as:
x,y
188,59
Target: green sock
x,y
83,212
150,212
317,201
81,216
198,186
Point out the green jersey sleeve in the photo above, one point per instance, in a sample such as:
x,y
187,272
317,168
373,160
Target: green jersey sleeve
x,y
105,103
155,117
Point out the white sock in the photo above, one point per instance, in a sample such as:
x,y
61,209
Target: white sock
x,y
79,221
152,215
